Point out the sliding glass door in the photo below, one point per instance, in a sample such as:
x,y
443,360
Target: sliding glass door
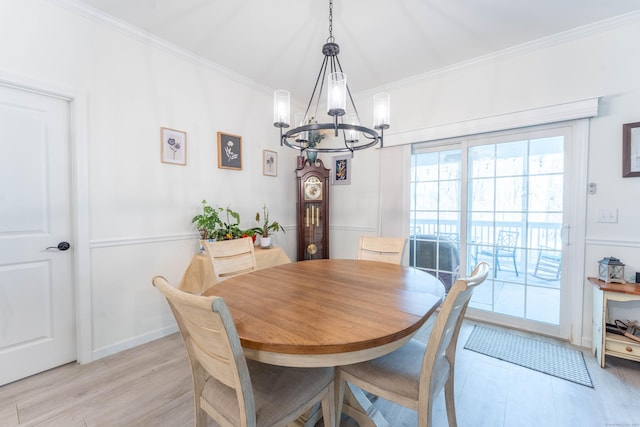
x,y
501,199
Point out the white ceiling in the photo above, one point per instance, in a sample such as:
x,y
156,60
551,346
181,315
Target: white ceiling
x,y
278,43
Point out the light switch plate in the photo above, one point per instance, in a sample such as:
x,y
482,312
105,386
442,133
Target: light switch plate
x,y
608,215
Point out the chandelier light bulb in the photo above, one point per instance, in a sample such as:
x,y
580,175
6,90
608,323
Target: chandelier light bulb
x,y
381,110
301,120
337,94
351,135
281,108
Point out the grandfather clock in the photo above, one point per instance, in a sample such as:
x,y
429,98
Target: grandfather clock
x,y
313,210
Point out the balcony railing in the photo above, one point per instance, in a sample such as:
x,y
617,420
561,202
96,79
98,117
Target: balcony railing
x,y
538,234
432,247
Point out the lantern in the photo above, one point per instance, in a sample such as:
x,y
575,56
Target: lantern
x,y
611,270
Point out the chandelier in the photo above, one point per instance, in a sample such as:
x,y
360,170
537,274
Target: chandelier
x,y
346,125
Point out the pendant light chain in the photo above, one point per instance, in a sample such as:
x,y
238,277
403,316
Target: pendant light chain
x,y
330,20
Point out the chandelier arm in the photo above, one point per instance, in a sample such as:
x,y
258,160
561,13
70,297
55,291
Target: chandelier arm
x,y
288,138
323,71
353,104
319,79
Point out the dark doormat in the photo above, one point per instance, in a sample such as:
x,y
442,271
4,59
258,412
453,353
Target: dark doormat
x,y
551,359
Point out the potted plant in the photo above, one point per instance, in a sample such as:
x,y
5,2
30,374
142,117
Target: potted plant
x,y
230,229
212,227
266,227
208,222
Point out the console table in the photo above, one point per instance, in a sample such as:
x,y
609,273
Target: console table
x,y
606,343
198,276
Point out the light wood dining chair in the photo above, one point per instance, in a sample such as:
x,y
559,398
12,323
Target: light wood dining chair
x,y
232,390
384,249
231,257
413,375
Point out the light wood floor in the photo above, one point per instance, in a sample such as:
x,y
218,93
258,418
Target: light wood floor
x,y
151,386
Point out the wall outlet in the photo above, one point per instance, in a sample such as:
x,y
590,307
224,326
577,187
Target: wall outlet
x,y
608,215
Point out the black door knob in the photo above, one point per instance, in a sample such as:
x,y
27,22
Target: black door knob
x,y
62,246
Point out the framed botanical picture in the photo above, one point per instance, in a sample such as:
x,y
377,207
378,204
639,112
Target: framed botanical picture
x,y
631,150
229,151
269,163
173,146
341,170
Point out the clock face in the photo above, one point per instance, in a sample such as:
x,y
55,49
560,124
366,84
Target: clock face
x,y
313,189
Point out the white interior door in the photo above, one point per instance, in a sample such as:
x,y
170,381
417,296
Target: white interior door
x,y
37,328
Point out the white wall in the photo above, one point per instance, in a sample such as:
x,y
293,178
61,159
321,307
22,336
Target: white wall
x,y
140,209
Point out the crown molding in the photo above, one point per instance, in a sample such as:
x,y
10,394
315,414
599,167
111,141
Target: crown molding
x,y
86,11
94,14
632,18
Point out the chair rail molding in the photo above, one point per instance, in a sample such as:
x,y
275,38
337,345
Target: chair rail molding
x,y
590,241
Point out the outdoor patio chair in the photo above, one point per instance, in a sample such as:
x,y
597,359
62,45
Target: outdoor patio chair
x,y
505,247
548,265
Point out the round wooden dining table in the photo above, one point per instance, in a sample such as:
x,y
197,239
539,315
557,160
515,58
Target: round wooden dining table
x,y
328,312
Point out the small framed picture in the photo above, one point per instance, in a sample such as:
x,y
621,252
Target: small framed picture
x,y
269,163
229,151
173,146
341,170
631,150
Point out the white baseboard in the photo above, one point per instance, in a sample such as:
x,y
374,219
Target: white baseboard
x,y
133,342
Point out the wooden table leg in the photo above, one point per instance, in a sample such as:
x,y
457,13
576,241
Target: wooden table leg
x,y
359,407
310,418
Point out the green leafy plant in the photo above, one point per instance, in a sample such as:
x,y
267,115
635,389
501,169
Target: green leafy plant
x,y
266,225
231,227
211,225
208,222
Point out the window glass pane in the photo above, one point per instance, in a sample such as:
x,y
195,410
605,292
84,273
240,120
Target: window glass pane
x,y
543,304
544,230
449,196
482,297
481,192
481,161
509,299
510,158
545,193
425,167
450,164
546,155
509,193
426,196
509,219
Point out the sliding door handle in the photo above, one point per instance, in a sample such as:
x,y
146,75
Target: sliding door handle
x,y
564,234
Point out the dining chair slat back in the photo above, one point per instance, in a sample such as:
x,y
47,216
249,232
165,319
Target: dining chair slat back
x,y
413,375
232,390
384,249
230,258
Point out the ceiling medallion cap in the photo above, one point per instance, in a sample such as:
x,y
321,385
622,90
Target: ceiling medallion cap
x,y
330,49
